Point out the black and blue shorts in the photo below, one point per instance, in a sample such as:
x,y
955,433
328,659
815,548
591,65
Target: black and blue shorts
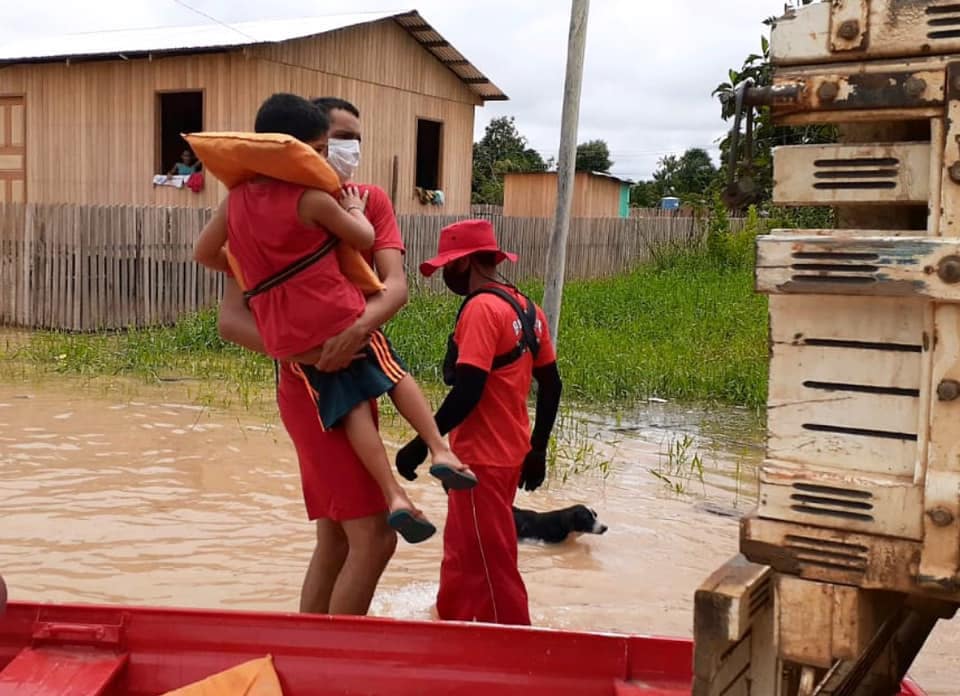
x,y
337,393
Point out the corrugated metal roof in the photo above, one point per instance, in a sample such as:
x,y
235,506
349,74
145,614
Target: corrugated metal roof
x,y
605,175
128,43
614,177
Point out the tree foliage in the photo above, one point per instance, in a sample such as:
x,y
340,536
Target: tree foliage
x,y
593,156
692,177
689,176
502,150
766,136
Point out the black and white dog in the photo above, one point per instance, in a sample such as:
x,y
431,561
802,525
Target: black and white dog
x,y
555,526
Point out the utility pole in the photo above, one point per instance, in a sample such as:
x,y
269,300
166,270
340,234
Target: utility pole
x,y
557,251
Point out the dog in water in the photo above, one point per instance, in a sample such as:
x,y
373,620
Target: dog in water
x,y
555,526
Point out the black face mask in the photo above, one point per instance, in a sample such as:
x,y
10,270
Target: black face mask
x,y
457,281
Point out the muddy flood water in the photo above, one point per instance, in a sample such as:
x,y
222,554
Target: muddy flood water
x,y
144,497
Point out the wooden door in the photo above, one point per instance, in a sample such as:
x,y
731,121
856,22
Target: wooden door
x,y
13,150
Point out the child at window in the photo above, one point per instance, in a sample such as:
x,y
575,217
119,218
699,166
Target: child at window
x,y
185,167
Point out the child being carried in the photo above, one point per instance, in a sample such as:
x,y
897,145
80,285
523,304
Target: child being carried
x,y
281,237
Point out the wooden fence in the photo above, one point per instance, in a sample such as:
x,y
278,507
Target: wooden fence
x,y
596,247
86,268
686,211
486,210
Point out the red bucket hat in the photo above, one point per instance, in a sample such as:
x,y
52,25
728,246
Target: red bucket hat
x,y
462,239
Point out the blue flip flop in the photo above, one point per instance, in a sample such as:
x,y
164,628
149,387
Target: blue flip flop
x,y
413,529
453,478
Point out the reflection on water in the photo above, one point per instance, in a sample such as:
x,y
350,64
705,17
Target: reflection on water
x,y
152,500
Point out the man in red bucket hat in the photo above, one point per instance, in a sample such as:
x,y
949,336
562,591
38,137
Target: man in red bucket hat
x,y
499,345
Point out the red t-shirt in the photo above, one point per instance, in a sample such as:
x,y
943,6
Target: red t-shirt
x,y
265,235
379,212
497,431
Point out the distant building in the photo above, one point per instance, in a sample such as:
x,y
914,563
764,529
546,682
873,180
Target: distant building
x,y
534,194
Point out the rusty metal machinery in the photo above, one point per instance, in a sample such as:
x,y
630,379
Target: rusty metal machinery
x,y
853,551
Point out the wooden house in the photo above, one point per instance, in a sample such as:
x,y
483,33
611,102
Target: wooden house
x,y
595,195
94,118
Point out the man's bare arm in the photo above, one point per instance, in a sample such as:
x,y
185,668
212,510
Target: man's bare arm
x,y
235,322
237,325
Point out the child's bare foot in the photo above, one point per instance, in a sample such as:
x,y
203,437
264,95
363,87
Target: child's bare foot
x,y
451,471
409,522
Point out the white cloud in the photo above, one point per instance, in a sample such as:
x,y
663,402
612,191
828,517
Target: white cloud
x,y
649,69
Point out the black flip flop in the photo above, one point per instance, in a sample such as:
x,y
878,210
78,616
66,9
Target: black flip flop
x,y
413,529
453,479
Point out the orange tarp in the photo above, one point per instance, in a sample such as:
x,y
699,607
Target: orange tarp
x,y
234,157
254,678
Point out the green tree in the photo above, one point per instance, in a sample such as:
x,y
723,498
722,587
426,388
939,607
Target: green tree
x,y
691,176
665,176
695,173
501,150
593,156
644,194
766,135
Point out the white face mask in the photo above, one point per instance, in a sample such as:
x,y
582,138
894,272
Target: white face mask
x,y
344,157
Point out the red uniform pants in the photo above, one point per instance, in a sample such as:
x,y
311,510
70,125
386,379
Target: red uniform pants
x,y
479,578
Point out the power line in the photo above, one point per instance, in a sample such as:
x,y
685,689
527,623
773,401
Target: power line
x,y
215,20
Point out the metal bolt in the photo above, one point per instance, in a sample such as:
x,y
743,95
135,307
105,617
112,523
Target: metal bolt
x,y
948,390
940,517
828,91
955,172
949,269
915,86
849,30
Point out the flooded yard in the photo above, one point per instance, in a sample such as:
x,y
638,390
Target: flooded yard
x,y
137,495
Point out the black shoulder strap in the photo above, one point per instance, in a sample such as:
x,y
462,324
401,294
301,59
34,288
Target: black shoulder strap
x,y
528,321
285,274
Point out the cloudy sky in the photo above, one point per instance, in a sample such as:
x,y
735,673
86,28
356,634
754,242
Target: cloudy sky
x,y
649,70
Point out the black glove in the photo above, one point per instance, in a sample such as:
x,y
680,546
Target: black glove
x,y
534,470
410,456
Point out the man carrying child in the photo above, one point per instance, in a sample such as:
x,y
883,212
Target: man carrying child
x,y
272,226
354,543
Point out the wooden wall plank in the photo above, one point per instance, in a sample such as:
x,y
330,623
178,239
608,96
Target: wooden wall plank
x,y
535,195
91,127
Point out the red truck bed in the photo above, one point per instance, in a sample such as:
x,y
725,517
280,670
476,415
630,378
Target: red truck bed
x,y
72,650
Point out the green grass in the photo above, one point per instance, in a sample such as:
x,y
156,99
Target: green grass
x,y
188,350
677,468
688,327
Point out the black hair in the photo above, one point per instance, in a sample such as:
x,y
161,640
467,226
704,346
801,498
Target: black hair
x,y
489,259
485,258
291,115
328,104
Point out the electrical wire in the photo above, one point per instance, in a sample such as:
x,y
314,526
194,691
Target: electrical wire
x,y
215,20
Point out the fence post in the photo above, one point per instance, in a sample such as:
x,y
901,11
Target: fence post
x,y
95,267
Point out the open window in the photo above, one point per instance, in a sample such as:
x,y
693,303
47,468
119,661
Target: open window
x,y
429,150
178,112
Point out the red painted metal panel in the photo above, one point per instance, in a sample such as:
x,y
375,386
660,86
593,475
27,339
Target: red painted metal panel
x,y
169,648
72,671
910,688
322,655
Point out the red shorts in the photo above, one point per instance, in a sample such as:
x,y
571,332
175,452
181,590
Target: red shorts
x,y
335,483
479,578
